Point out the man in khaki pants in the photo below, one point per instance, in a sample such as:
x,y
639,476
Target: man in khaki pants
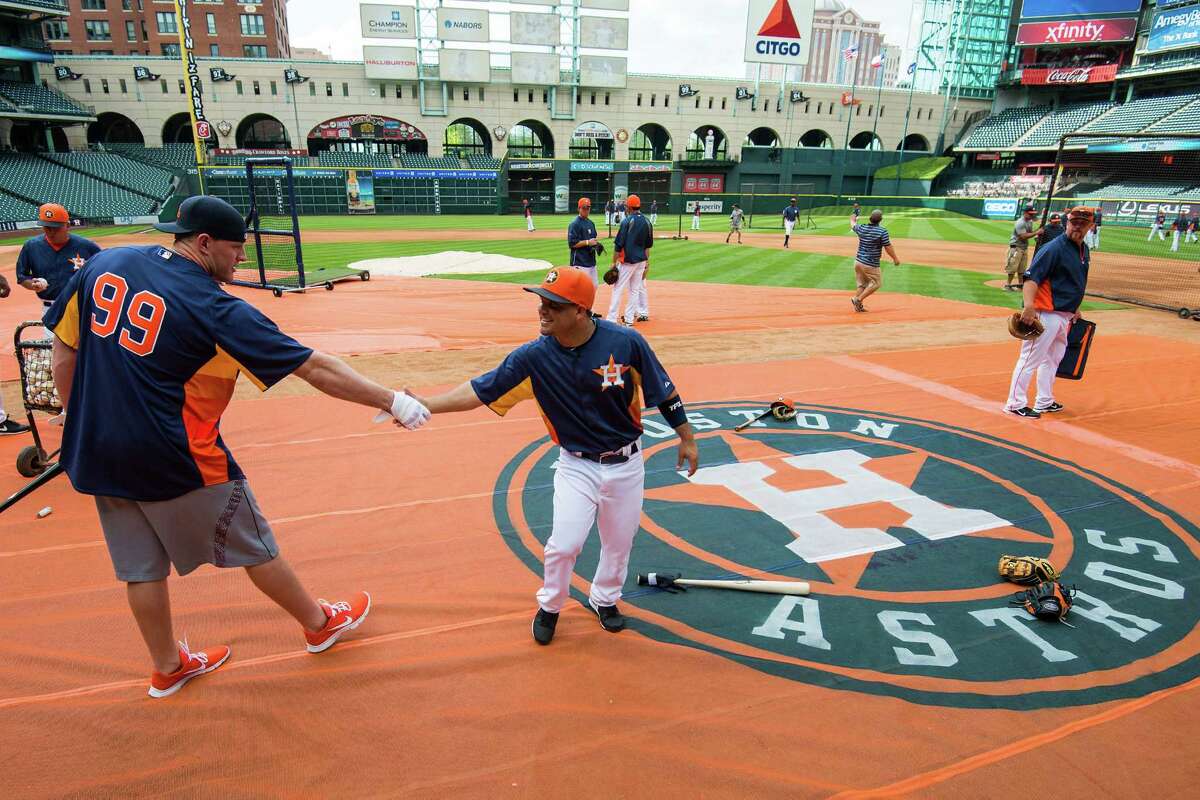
x,y
1018,249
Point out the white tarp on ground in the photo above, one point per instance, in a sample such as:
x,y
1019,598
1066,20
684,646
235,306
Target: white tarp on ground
x,y
450,262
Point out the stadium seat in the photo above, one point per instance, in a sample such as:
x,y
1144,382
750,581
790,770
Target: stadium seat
x,y
1185,120
333,158
40,99
1002,130
44,181
133,175
14,210
173,156
1137,114
475,161
1064,119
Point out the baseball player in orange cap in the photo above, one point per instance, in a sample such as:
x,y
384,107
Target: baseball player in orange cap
x,y
631,256
47,262
581,238
586,375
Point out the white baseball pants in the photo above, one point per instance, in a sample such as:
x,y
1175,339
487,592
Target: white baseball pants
x,y
529,222
1191,237
1156,228
1040,355
608,218
788,225
695,223
587,492
1174,241
654,218
628,276
591,271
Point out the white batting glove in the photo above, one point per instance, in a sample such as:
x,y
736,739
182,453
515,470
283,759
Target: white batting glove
x,y
406,410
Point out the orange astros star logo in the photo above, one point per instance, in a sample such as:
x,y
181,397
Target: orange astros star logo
x,y
611,373
78,261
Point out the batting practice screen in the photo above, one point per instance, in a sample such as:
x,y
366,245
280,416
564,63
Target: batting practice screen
x,y
1145,188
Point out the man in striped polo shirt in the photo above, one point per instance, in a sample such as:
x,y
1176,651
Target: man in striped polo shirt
x,y
872,241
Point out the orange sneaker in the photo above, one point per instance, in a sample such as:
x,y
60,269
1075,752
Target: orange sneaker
x,y
345,615
191,665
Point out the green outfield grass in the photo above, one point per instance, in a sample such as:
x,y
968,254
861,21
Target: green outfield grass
x,y
703,263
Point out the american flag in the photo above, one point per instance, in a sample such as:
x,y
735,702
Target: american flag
x,y
877,61
850,53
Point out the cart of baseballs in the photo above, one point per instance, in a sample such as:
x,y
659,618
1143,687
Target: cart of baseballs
x,y
37,392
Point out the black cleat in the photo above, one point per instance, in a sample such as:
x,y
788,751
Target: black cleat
x,y
1025,412
1050,409
610,618
543,626
10,426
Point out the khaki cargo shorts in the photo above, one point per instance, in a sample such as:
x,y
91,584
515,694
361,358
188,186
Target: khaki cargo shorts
x,y
1017,259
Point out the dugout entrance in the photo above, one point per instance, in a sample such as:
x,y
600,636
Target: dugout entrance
x,y
274,253
1146,188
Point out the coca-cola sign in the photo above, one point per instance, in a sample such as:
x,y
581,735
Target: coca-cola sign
x,y
1078,31
1068,75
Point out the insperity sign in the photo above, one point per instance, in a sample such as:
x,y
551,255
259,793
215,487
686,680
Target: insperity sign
x,y
778,31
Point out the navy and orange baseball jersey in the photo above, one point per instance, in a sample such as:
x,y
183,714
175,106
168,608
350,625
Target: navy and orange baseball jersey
x,y
160,345
1060,269
55,265
588,395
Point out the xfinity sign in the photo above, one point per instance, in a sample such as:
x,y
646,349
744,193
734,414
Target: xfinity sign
x,y
388,22
778,31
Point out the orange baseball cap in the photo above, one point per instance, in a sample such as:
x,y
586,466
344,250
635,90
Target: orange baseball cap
x,y
583,201
633,201
566,285
52,215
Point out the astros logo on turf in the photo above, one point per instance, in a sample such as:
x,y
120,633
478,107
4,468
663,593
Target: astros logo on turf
x,y
898,524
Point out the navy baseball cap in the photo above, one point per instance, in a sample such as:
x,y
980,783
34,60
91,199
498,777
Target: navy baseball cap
x,y
1027,209
205,214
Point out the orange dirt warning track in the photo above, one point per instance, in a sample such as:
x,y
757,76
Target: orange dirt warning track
x,y
443,693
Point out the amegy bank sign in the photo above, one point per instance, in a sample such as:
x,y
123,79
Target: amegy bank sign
x,y
1081,31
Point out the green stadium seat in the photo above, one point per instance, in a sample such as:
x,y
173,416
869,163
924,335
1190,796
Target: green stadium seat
x,y
1001,131
40,99
1062,120
333,158
1137,114
44,181
134,175
14,210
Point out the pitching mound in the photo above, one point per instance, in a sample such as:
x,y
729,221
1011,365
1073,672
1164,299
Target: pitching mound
x,y
450,262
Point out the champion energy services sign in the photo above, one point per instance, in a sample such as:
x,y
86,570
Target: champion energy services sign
x,y
388,22
778,31
1080,31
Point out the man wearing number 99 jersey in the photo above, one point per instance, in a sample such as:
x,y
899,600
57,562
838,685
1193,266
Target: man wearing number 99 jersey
x,y
147,350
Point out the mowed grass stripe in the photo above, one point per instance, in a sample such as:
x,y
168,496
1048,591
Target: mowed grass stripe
x,y
703,263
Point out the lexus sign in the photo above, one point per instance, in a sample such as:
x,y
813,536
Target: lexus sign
x,y
1079,31
1068,75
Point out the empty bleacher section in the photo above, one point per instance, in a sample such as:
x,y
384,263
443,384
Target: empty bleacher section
x,y
38,99
169,156
1140,190
1001,131
1063,120
14,210
422,161
331,158
483,162
1137,114
134,175
993,184
1185,120
41,181
1041,127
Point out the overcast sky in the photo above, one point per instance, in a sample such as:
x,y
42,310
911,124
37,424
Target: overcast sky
x,y
674,37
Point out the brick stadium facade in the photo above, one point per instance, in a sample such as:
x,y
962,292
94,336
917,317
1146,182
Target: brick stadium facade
x,y
144,27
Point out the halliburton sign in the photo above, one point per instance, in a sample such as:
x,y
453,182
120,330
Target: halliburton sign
x,y
1065,75
1077,31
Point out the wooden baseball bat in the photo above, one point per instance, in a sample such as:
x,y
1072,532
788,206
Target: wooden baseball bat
x,y
765,587
750,422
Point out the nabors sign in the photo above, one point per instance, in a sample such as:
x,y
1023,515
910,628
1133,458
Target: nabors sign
x,y
1081,31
